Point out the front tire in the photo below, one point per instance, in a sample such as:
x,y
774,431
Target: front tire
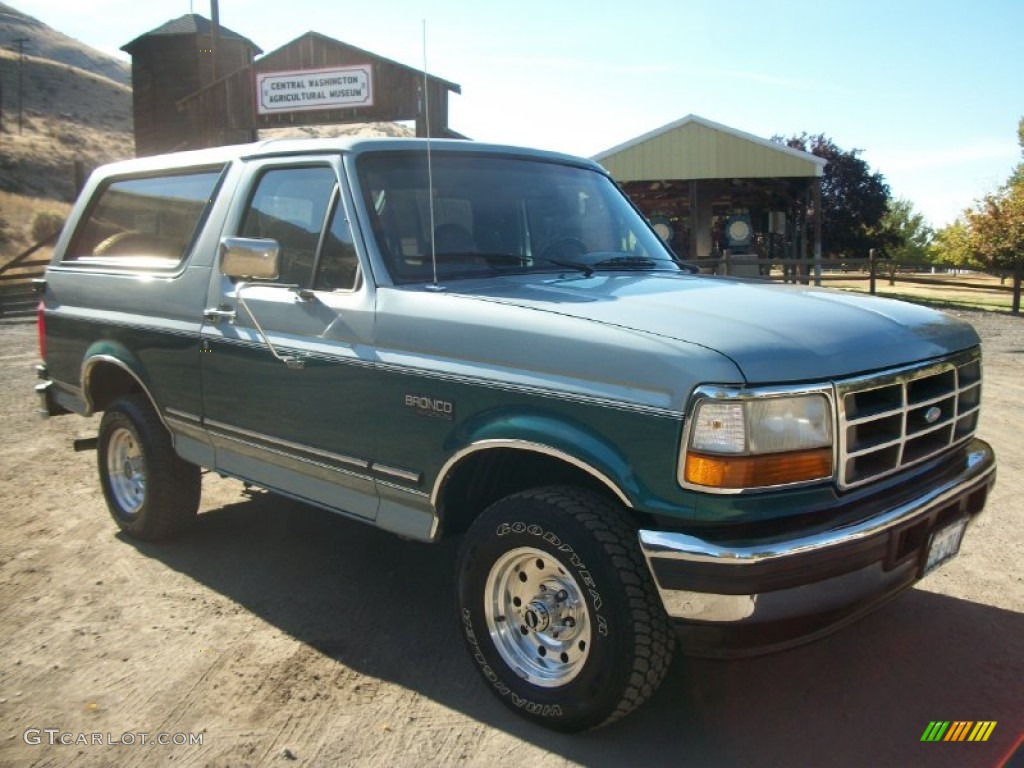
x,y
151,492
558,609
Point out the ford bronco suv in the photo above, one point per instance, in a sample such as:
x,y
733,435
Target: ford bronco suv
x,y
460,339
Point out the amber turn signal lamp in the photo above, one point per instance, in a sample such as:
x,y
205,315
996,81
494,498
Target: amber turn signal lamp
x,y
758,471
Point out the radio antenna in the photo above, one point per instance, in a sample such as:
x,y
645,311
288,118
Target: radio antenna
x,y
430,165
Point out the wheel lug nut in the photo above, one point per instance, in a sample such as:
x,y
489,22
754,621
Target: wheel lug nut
x,y
562,596
570,622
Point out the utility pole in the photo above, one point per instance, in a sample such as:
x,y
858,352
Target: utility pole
x,y
20,42
215,38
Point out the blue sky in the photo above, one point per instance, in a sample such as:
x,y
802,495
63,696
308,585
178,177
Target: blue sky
x,y
931,91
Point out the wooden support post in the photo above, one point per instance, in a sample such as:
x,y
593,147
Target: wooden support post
x,y
694,253
1018,276
805,272
817,231
872,271
79,176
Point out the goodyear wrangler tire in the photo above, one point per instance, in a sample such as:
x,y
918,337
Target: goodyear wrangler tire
x,y
150,491
558,609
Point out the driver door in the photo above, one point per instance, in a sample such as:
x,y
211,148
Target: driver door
x,y
285,366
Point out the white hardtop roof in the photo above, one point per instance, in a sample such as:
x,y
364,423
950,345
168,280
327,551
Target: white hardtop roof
x,y
293,146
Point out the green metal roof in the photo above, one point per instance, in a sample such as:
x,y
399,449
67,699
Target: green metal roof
x,y
696,148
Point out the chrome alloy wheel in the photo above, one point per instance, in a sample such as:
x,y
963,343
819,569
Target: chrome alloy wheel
x,y
126,469
537,617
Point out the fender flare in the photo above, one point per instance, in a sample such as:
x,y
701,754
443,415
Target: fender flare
x,y
528,446
119,357
564,439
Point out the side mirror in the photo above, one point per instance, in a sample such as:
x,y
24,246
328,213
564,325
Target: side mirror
x,y
250,258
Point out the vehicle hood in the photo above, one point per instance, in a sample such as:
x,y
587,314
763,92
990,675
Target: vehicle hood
x,y
772,332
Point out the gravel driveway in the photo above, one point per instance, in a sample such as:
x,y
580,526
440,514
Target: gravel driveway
x,y
278,634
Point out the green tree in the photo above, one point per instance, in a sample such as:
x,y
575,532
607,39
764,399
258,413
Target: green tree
x,y
853,198
905,232
1018,173
951,245
996,227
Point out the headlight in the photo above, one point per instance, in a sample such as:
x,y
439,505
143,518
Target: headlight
x,y
759,442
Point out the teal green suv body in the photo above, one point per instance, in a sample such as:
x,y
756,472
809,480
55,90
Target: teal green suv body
x,y
459,339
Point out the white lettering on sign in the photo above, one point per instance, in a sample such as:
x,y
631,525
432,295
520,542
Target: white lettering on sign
x,y
304,90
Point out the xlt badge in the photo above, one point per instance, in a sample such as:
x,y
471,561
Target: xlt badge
x,y
432,407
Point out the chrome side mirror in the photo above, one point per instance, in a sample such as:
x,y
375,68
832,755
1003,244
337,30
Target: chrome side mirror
x,y
250,258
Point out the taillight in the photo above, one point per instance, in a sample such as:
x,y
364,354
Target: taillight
x,y
41,327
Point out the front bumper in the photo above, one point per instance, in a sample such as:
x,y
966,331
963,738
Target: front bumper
x,y
750,596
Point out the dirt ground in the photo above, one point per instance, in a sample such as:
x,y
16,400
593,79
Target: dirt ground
x,y
278,634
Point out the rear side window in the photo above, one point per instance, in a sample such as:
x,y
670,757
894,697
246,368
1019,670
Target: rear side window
x,y
145,222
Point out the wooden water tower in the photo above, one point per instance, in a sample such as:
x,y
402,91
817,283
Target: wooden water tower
x,y
174,61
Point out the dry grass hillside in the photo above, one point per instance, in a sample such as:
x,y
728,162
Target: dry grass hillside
x,y
47,43
68,115
75,106
332,131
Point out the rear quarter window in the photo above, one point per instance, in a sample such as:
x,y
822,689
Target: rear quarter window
x,y
144,222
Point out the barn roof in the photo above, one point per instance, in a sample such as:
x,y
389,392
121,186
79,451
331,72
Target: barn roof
x,y
317,39
189,24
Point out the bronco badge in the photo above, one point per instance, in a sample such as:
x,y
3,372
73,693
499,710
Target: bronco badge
x,y
431,407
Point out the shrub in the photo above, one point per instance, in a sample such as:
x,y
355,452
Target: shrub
x,y
46,224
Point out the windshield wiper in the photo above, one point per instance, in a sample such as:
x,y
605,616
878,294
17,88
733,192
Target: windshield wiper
x,y
492,258
525,261
627,262
586,269
643,262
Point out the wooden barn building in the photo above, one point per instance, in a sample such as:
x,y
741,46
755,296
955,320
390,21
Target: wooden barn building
x,y
198,84
174,61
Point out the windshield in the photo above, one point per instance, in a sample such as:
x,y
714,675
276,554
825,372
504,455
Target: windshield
x,y
501,215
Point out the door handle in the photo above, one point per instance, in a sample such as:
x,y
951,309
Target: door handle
x,y
216,315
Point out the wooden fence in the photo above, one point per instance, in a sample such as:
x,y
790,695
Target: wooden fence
x,y
882,276
17,289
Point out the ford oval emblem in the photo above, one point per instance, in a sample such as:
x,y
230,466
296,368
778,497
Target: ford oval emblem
x,y
932,414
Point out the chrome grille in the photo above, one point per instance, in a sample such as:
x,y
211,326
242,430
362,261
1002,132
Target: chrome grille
x,y
895,419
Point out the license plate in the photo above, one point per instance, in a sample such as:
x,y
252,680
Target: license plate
x,y
944,544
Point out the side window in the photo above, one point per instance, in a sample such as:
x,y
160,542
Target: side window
x,y
337,268
290,206
145,222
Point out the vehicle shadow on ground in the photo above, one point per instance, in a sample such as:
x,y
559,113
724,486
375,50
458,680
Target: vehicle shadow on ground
x,y
385,607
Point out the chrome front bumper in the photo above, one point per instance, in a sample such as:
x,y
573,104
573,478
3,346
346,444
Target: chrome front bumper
x,y
756,595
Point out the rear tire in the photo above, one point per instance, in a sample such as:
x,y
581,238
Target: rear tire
x,y
558,609
151,492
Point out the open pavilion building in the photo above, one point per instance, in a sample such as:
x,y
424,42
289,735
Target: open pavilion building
x,y
713,191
